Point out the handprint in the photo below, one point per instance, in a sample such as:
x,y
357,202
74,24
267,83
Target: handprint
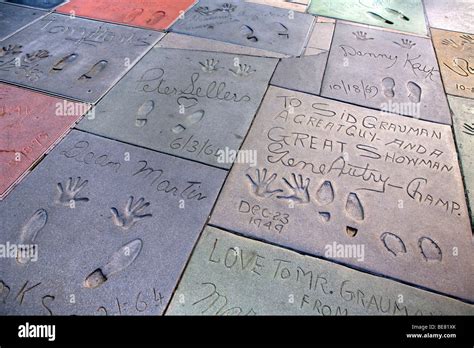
x,y
210,65
467,39
299,189
203,10
242,70
131,214
469,129
261,183
68,194
227,7
405,43
450,42
10,49
361,35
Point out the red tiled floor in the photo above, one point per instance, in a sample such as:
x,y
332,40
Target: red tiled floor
x,y
30,124
150,14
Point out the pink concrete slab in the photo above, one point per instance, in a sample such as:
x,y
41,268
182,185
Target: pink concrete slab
x,y
30,124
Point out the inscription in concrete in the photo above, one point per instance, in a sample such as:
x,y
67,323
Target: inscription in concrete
x,y
31,123
201,111
248,24
463,122
73,57
387,71
103,228
224,267
403,15
455,53
330,172
156,14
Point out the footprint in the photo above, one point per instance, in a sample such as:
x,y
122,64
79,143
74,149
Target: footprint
x,y
156,17
388,85
129,17
119,260
393,243
354,207
194,118
415,92
325,196
429,249
30,231
248,33
64,62
142,113
375,16
95,70
397,13
325,193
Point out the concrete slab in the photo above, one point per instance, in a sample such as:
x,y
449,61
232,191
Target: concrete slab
x,y
193,112
156,15
188,42
403,15
73,57
304,74
14,18
290,5
224,267
330,172
248,24
463,124
321,37
31,123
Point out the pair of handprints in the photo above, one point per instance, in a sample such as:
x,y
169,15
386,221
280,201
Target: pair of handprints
x,y
240,70
134,210
69,195
298,192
